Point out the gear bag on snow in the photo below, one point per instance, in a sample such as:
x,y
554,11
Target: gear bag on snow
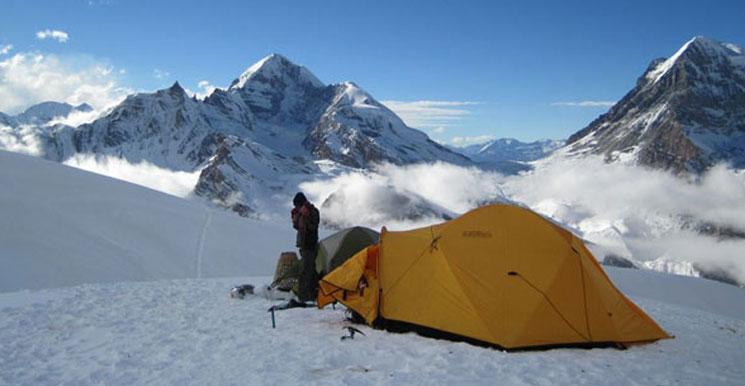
x,y
287,273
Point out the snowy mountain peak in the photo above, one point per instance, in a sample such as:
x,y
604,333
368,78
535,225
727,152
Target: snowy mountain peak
x,y
270,124
47,109
697,49
352,94
44,112
663,67
685,113
273,67
84,107
509,155
712,45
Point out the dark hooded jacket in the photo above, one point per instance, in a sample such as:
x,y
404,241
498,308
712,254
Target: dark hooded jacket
x,y
305,219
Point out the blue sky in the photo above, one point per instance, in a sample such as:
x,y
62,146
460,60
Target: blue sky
x,y
500,69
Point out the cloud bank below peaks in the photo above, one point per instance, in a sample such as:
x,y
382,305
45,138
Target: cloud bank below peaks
x,y
402,197
639,213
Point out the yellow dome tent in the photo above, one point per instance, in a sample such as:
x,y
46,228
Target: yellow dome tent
x,y
499,274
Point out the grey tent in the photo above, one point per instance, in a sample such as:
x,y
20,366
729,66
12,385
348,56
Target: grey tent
x,y
337,248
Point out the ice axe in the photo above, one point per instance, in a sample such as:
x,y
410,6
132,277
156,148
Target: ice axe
x,y
352,331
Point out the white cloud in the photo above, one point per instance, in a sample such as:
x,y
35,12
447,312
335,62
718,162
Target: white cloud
x,y
438,130
5,49
617,190
424,114
402,197
160,74
176,183
453,187
626,210
472,140
640,213
76,118
206,89
93,3
29,78
23,140
585,104
60,36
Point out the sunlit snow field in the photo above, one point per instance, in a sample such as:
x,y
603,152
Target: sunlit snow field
x,y
191,332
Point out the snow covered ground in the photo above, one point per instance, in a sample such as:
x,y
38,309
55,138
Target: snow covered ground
x,y
190,332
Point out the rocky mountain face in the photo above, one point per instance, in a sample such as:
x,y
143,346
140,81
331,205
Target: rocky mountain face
x,y
166,128
251,140
341,122
685,114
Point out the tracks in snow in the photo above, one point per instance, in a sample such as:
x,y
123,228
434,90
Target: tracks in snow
x,y
202,238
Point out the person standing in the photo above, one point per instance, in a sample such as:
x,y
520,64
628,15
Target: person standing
x,y
305,219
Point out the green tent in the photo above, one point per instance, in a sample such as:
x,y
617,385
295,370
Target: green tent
x,y
337,248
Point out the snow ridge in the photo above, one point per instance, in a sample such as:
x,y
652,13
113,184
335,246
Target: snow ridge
x,y
658,72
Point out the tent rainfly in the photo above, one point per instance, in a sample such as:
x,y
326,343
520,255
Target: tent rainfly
x,y
340,246
500,274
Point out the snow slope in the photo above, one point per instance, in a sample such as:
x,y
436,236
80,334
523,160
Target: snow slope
x,y
62,226
191,332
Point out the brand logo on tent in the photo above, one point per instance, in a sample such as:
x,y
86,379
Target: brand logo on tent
x,y
477,234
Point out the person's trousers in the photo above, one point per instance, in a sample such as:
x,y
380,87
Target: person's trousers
x,y
308,285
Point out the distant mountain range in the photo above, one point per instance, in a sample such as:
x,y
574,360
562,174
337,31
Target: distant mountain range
x,y
250,140
270,128
42,113
686,113
508,155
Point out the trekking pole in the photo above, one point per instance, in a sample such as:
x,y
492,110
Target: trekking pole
x,y
274,324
